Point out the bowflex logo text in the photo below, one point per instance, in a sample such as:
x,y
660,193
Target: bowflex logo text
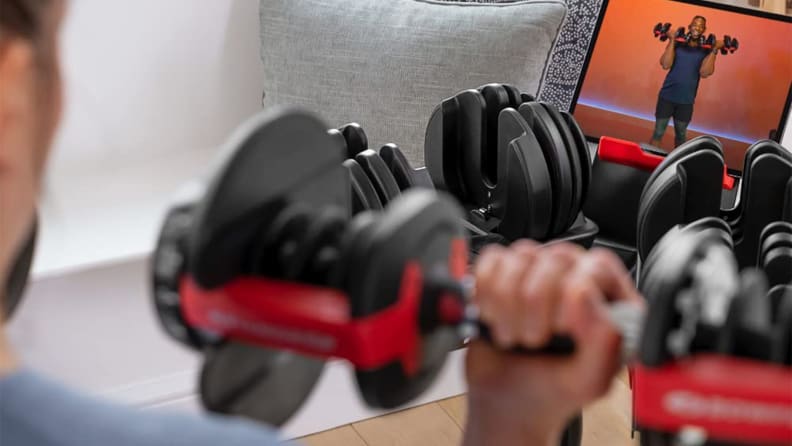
x,y
226,322
691,405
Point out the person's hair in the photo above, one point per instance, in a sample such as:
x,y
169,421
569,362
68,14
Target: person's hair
x,y
22,18
699,17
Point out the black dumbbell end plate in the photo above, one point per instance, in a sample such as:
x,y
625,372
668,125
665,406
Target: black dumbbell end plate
x,y
262,384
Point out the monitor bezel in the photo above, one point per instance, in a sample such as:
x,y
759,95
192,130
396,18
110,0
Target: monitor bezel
x,y
780,128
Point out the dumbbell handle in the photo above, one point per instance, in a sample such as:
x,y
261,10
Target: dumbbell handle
x,y
630,154
316,320
455,307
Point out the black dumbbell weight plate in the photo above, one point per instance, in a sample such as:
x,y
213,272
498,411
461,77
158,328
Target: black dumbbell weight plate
x,y
574,159
777,240
379,174
776,295
471,133
338,137
515,97
364,195
167,268
583,153
496,99
240,199
258,383
720,227
747,327
778,266
307,263
557,161
355,137
670,273
775,228
352,244
442,143
774,239
663,177
713,225
782,328
527,195
279,239
399,166
416,227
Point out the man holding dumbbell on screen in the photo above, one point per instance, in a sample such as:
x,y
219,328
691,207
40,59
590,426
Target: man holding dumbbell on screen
x,y
688,57
526,293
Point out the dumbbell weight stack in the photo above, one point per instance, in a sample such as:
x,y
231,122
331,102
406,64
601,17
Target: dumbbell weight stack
x,y
520,168
681,37
730,45
710,330
775,259
373,175
377,177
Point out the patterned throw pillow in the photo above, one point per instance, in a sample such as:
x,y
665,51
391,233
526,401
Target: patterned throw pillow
x,y
569,53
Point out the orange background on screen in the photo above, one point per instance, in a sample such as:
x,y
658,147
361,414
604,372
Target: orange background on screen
x,y
746,94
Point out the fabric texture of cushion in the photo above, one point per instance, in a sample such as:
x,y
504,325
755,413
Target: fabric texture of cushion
x,y
569,53
387,64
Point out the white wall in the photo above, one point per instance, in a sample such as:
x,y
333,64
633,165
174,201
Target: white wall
x,y
152,88
786,138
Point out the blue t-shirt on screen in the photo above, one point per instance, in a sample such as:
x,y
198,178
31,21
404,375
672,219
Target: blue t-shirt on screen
x,y
681,83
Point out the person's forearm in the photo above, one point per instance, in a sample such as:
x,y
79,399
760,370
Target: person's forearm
x,y
708,65
491,423
667,59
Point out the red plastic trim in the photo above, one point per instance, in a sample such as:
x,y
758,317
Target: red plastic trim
x,y
630,154
309,319
732,399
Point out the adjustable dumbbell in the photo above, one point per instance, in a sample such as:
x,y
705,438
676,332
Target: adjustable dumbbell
x,y
730,45
719,345
519,167
681,36
661,31
708,43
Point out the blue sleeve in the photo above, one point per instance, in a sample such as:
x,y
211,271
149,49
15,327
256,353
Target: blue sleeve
x,y
37,411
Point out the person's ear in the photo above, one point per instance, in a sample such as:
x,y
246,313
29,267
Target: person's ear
x,y
17,61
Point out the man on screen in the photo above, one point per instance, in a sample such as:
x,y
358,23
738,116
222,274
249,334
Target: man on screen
x,y
688,62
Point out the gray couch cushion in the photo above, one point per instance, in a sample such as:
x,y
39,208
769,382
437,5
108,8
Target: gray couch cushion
x,y
387,64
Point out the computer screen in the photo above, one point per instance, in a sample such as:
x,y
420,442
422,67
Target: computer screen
x,y
740,97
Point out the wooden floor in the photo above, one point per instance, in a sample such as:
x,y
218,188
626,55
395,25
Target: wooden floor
x,y
606,422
